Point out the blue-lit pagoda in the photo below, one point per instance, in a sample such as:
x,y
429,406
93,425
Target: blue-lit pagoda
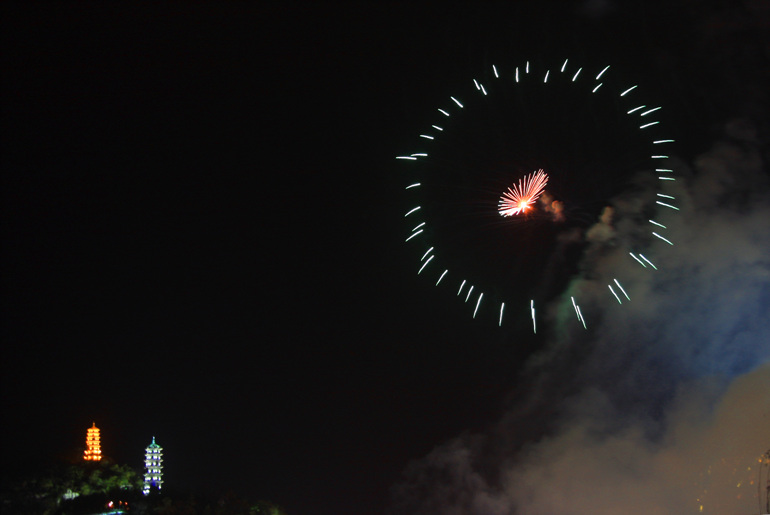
x,y
153,466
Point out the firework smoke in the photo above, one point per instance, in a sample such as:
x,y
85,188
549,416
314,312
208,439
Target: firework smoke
x,y
662,406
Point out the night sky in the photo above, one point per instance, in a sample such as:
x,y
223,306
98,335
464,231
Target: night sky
x,y
202,241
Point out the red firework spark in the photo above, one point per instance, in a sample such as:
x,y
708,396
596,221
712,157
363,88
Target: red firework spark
x,y
522,196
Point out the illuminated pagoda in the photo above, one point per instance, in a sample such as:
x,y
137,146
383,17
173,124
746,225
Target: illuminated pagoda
x,y
153,466
93,450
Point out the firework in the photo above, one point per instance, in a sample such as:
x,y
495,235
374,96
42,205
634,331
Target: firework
x,y
564,121
522,196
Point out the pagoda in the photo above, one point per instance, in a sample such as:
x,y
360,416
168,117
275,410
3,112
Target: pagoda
x,y
93,450
153,466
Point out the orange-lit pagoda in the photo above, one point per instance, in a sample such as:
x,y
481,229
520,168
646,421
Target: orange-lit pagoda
x,y
93,450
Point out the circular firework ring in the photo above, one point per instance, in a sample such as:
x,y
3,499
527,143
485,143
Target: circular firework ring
x,y
510,179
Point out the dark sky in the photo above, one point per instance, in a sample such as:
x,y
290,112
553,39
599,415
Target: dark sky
x,y
201,234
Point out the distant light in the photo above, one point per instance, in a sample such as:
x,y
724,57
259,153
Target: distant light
x,y
615,294
578,313
667,205
648,261
621,289
478,303
661,237
628,90
637,259
650,111
602,72
425,264
532,312
413,235
653,222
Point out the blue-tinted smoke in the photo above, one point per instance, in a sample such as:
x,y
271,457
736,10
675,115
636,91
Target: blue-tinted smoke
x,y
662,405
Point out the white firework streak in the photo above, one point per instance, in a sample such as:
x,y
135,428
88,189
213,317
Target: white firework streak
x,y
523,195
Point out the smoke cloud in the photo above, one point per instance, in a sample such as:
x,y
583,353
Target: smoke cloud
x,y
663,405
553,207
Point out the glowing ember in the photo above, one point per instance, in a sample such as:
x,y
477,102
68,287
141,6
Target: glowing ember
x,y
522,196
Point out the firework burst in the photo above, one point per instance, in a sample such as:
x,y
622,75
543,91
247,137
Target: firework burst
x,y
548,123
522,196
